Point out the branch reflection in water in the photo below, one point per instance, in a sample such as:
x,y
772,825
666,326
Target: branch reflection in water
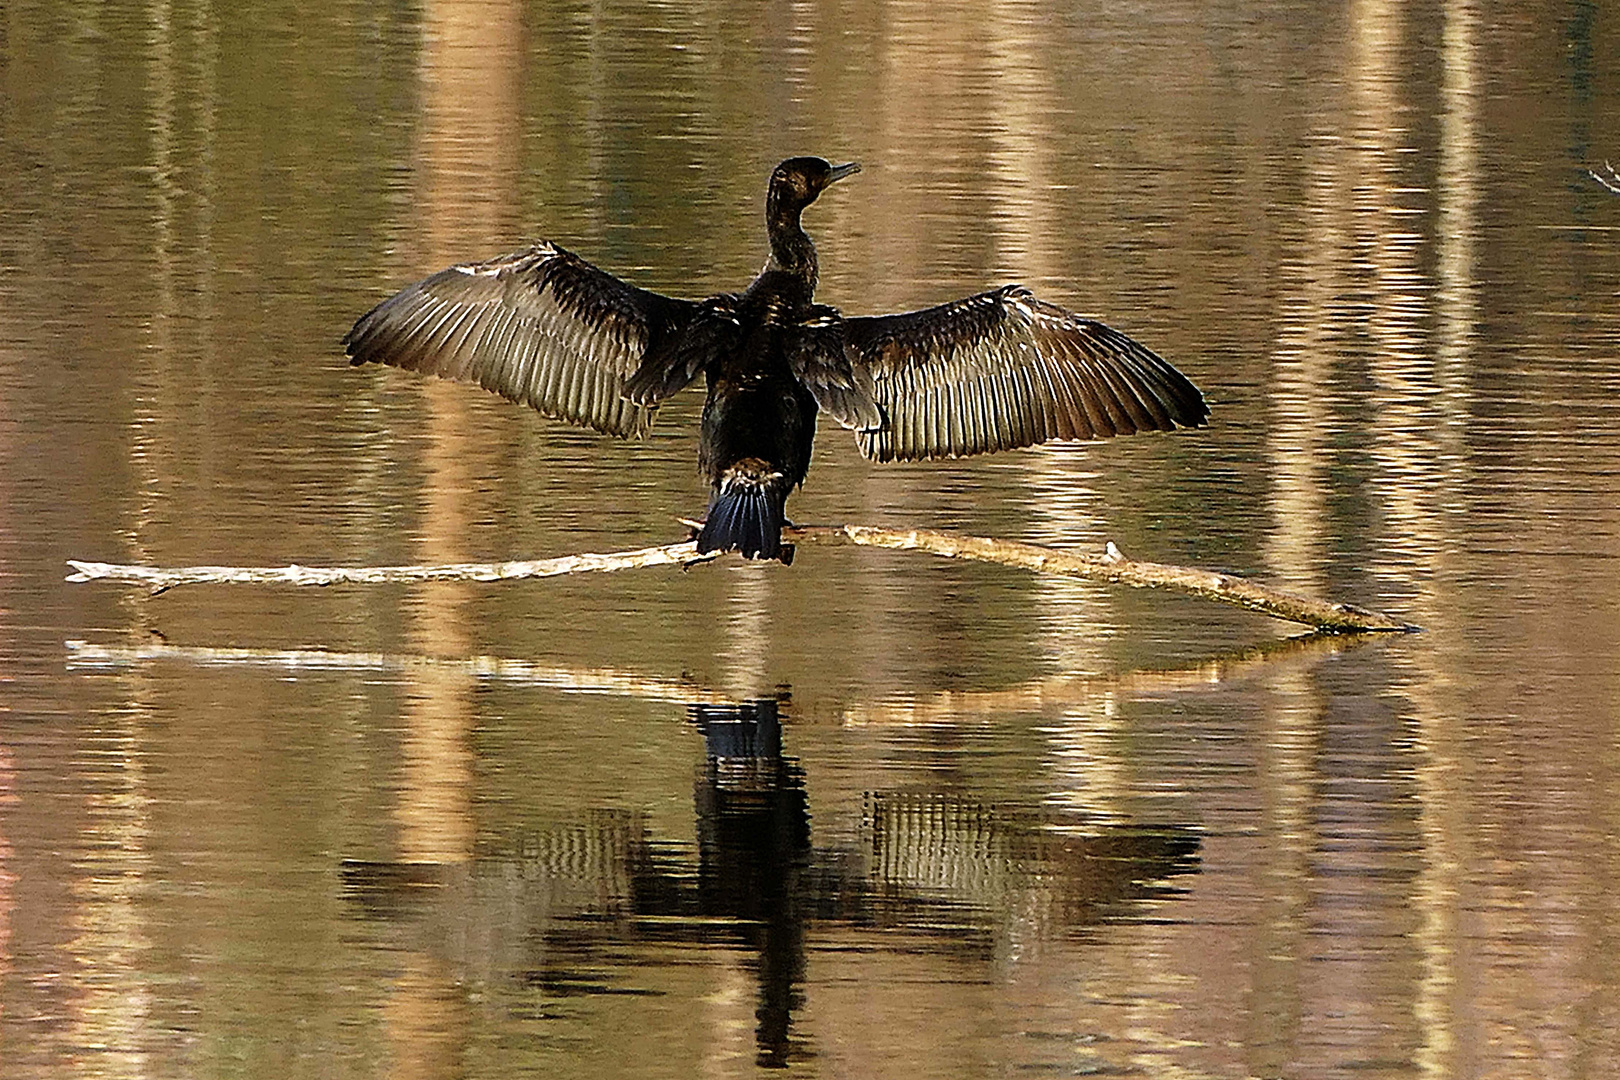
x,y
1035,694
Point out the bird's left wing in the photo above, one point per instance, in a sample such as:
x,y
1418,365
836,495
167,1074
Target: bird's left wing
x,y
1004,369
542,327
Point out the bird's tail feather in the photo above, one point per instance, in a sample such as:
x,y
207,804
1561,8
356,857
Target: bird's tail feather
x,y
746,514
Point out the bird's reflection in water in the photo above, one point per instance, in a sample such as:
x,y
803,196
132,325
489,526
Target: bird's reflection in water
x,y
583,908
753,846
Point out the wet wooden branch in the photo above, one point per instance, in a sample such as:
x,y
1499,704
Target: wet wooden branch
x,y
1115,568
1111,567
161,578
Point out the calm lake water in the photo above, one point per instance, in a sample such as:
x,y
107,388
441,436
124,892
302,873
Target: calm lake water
x,y
874,814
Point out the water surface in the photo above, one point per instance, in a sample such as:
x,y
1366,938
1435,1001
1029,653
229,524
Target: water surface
x,y
870,815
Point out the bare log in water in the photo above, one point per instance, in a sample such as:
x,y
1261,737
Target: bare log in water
x,y
161,578
1111,567
1115,568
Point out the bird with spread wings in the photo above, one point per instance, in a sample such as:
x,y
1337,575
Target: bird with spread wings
x,y
996,371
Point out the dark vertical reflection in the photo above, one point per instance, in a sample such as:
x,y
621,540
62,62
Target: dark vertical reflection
x,y
753,828
11,965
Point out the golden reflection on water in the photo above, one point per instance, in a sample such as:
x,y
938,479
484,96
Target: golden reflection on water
x,y
1440,778
1357,233
111,999
748,632
1299,428
466,182
109,996
1293,714
1025,239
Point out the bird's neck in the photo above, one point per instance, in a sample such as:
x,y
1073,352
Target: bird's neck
x,y
791,250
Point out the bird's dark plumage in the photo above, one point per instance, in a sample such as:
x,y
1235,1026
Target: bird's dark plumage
x,y
990,372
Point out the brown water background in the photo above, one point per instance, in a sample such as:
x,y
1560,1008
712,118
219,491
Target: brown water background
x,y
1015,827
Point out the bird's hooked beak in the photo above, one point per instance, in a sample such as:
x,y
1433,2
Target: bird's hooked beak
x,y
841,171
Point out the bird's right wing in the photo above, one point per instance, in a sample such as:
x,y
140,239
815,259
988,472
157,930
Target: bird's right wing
x,y
1004,369
542,327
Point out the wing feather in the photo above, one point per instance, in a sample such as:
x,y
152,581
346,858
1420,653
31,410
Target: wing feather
x,y
1003,370
989,398
542,327
980,428
1124,409
1023,431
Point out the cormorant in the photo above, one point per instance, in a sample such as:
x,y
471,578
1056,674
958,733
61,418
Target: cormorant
x,y
995,371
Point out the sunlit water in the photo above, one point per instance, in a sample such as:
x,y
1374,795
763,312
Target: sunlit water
x,y
870,815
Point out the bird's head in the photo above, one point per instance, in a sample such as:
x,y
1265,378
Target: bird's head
x,y
797,181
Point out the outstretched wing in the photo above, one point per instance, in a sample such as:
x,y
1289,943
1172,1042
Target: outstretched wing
x,y
542,327
1002,370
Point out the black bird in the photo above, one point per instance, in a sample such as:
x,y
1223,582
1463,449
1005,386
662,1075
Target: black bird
x,y
995,371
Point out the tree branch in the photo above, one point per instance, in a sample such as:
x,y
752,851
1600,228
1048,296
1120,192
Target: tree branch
x,y
162,578
1111,567
1115,568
